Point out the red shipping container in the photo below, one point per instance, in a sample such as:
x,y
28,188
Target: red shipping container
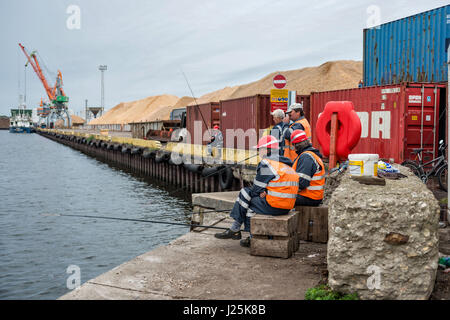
x,y
395,119
208,114
250,114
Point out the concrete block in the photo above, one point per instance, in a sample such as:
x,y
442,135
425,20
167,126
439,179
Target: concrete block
x,y
215,200
281,226
278,247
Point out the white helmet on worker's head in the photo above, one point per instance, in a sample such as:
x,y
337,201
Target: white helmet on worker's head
x,y
295,106
279,113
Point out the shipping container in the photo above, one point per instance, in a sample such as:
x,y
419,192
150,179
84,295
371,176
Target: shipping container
x,y
395,119
246,117
206,115
412,49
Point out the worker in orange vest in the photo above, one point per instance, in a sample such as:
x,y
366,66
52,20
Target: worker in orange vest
x,y
310,169
274,190
297,116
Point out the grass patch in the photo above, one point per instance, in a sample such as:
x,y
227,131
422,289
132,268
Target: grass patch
x,y
323,292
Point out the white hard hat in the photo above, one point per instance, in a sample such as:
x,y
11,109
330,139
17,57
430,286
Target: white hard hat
x,y
278,113
295,106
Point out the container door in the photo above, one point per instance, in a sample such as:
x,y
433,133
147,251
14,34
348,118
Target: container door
x,y
422,121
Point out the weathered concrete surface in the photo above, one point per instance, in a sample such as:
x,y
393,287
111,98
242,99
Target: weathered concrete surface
x,y
215,200
383,240
205,202
199,266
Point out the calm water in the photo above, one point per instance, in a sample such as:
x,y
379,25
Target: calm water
x,y
39,179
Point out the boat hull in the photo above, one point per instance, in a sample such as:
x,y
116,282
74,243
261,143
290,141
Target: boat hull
x,y
20,130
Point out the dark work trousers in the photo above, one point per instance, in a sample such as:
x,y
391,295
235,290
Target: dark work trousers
x,y
303,201
247,206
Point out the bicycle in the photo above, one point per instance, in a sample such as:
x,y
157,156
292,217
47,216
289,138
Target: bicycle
x,y
439,166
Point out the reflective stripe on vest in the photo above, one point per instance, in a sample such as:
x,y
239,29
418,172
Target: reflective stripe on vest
x,y
289,149
283,189
317,182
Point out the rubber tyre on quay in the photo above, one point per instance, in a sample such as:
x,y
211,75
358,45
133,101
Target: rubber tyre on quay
x,y
209,172
226,178
196,168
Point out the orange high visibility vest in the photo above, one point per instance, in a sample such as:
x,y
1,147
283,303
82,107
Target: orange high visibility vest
x,y
283,189
316,182
289,149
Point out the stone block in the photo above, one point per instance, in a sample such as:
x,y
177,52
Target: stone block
x,y
383,240
277,247
281,226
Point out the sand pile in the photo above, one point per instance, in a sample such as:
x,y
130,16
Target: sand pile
x,y
164,113
136,111
76,120
332,75
216,96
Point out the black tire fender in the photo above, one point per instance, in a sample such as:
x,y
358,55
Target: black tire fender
x,y
209,172
149,154
135,150
226,178
196,168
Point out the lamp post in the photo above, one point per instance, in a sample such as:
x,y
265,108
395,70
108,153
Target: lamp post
x,y
103,68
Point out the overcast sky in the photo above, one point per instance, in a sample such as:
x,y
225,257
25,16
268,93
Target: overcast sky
x,y
146,43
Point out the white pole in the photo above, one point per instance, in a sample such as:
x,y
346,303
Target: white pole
x,y
448,130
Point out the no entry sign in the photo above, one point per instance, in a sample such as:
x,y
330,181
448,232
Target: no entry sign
x,y
279,81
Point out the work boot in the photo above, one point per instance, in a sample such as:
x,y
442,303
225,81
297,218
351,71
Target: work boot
x,y
245,242
229,234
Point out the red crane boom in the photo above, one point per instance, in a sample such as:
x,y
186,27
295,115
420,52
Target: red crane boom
x,y
37,68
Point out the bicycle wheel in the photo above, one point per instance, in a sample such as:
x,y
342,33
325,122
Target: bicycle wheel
x,y
414,167
443,177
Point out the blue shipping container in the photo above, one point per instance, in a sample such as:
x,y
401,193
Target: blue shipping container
x,y
412,49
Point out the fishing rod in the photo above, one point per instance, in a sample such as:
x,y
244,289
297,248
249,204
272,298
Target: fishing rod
x,y
195,100
141,220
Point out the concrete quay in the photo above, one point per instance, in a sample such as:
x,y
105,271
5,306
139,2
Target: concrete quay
x,y
199,266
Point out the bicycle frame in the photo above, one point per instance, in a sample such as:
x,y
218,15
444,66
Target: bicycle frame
x,y
440,160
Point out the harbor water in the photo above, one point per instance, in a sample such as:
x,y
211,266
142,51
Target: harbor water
x,y
41,179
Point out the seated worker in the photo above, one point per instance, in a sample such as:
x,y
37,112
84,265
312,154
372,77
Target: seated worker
x,y
274,190
299,122
279,128
310,169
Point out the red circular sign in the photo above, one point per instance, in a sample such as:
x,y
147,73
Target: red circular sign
x,y
279,81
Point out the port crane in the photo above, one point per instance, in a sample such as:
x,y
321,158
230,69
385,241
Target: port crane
x,y
56,95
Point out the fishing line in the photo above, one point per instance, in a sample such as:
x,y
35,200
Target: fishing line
x,y
195,100
141,220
